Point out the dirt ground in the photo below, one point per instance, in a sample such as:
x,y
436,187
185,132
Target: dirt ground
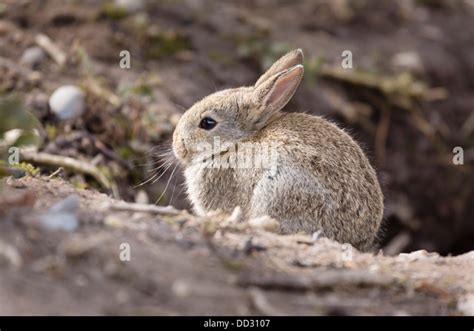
x,y
179,266
183,50
408,101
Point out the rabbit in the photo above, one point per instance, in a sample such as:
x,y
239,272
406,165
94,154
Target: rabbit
x,y
320,180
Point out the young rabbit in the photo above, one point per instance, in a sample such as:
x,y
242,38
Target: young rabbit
x,y
319,179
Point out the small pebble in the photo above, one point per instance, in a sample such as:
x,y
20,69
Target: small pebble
x,y
32,56
59,221
69,204
130,6
62,215
67,102
141,197
408,60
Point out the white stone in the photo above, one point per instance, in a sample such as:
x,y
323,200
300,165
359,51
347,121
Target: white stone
x,y
67,102
141,197
62,215
130,6
59,221
408,60
32,56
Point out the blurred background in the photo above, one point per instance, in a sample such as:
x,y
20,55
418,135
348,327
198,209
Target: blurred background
x,y
408,98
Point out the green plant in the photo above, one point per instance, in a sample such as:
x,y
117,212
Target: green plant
x,y
18,128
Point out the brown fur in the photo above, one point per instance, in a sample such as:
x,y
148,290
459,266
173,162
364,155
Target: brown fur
x,y
323,180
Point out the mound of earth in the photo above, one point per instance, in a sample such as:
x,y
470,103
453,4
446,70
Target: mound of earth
x,y
70,251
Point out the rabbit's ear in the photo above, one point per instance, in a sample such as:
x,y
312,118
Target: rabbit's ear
x,y
274,94
287,61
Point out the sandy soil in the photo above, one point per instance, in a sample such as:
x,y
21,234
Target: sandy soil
x,y
181,265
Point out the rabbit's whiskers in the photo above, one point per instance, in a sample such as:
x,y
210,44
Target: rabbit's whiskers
x,y
153,177
167,183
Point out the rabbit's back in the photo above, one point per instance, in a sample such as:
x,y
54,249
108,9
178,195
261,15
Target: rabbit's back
x,y
323,181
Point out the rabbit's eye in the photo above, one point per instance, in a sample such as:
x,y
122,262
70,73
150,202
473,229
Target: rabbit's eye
x,y
207,123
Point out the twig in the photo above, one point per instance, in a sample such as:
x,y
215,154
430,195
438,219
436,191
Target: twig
x,y
109,153
56,172
68,163
144,208
92,86
51,48
397,244
419,121
402,85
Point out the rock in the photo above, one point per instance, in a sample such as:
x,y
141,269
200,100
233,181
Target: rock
x,y
32,56
408,60
59,221
67,102
62,215
69,204
141,197
130,6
